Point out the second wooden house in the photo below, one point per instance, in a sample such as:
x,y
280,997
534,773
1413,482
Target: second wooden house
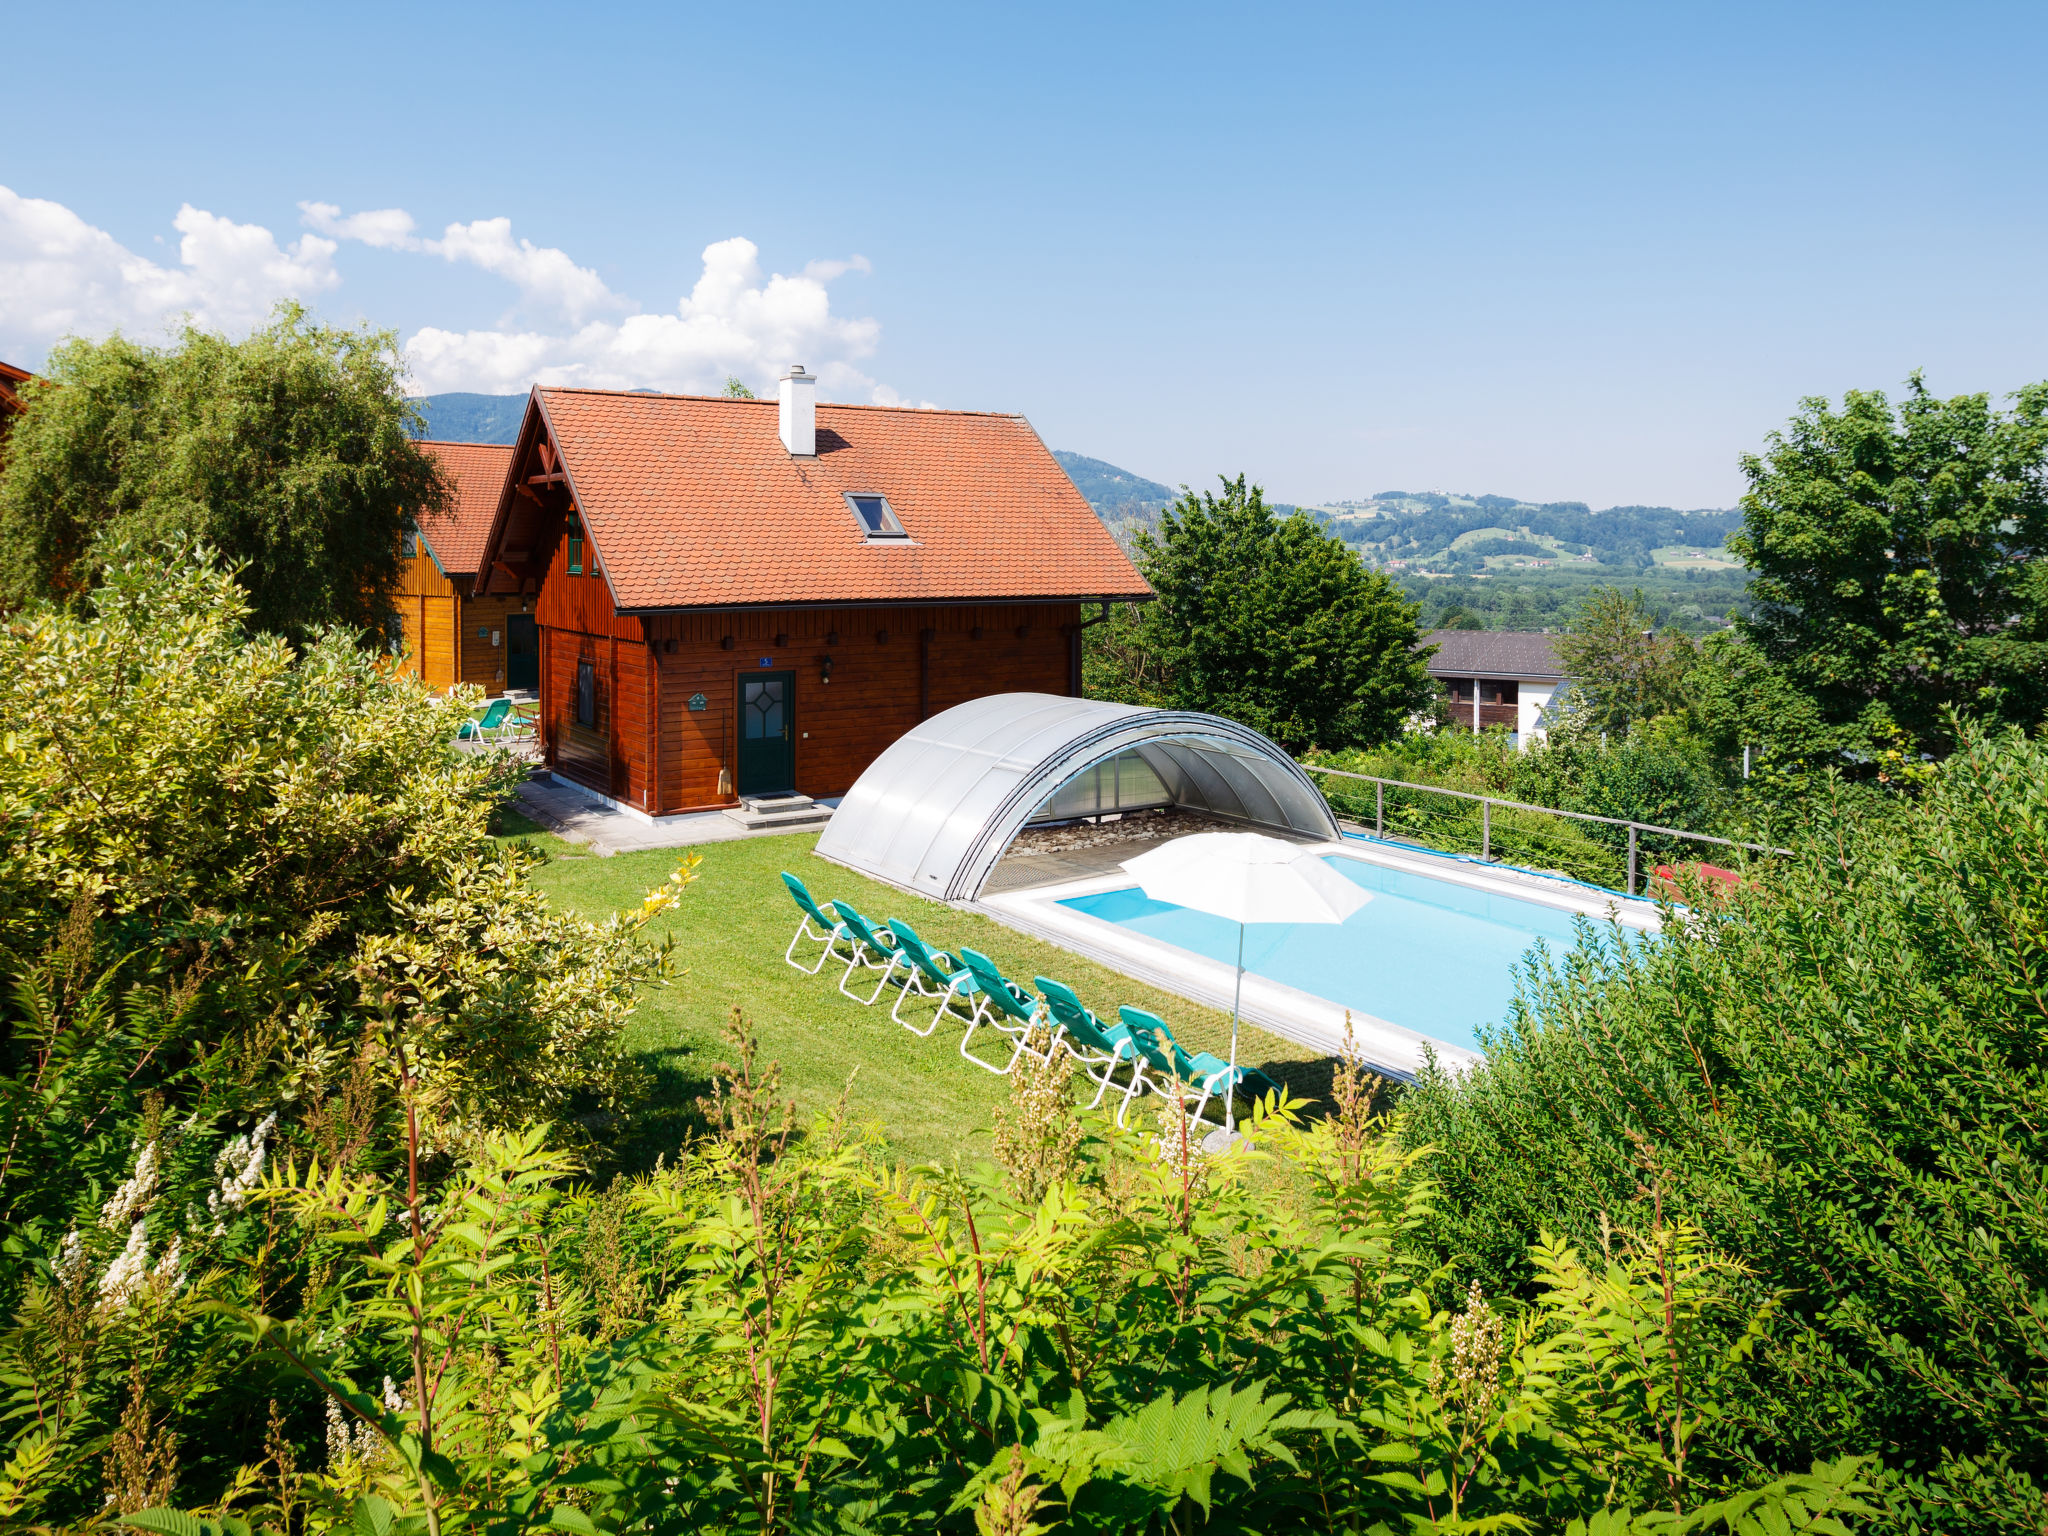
x,y
456,628
745,598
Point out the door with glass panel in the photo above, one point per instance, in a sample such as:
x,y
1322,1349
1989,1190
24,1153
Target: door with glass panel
x,y
767,732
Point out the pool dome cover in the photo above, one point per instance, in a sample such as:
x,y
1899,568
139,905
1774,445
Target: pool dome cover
x,y
934,813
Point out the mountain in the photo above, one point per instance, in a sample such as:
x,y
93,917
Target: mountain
x,y
472,418
1112,492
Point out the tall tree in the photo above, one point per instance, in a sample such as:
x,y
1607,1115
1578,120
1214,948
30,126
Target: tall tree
x,y
289,452
1901,560
1621,669
1270,621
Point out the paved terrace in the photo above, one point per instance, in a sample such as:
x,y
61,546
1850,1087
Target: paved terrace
x,y
576,816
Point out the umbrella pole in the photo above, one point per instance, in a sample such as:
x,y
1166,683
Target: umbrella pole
x,y
1236,997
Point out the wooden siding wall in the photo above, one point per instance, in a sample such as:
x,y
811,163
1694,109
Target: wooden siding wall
x,y
440,623
873,697
482,662
577,624
427,604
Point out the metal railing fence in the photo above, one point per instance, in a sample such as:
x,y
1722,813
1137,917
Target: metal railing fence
x,y
1488,804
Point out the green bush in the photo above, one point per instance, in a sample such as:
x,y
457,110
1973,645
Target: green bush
x,y
1652,775
784,1334
1839,1078
245,893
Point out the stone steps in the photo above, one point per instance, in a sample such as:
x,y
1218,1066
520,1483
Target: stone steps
x,y
781,812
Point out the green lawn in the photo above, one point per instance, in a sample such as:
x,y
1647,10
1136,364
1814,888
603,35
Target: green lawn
x,y
732,928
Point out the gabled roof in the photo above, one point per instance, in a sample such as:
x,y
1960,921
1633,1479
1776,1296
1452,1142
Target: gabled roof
x,y
1493,653
693,502
479,472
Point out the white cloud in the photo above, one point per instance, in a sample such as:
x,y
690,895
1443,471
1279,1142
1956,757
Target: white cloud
x,y
733,321
388,229
60,276
542,274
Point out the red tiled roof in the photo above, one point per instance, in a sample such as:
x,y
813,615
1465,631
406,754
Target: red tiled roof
x,y
478,471
694,502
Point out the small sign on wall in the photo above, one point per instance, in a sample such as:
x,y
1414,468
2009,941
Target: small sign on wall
x,y
698,701
767,661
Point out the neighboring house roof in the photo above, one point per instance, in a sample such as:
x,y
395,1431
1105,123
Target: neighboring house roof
x,y
693,502
11,378
478,471
1493,653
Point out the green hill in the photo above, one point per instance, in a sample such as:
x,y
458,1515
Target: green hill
x,y
1113,493
459,418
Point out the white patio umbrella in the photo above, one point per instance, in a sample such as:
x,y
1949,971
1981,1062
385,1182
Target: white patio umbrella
x,y
1247,878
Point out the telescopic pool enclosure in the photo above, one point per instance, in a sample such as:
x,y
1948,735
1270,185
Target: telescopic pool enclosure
x,y
935,812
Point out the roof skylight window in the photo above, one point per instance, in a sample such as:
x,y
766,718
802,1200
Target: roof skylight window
x,y
877,519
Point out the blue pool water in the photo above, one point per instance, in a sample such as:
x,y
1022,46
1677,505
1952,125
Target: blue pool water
x,y
1429,955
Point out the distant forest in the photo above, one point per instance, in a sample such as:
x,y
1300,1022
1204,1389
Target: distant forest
x,y
1694,601
1428,527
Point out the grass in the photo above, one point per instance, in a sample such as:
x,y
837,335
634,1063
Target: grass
x,y
731,930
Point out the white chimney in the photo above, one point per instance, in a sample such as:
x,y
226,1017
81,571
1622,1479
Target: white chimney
x,y
799,395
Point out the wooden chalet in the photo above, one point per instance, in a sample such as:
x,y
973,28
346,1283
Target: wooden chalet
x,y
457,629
741,597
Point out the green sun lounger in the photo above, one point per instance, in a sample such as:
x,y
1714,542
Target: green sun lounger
x,y
1171,1063
1097,1048
870,952
933,974
829,933
484,728
1004,1006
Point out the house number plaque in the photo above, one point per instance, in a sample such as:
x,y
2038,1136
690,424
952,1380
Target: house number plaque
x,y
698,701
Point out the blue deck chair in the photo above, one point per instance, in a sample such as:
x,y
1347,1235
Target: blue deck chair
x,y
1097,1048
870,952
483,729
933,973
1171,1063
1004,1006
829,933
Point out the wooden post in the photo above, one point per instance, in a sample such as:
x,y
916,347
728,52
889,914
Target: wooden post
x,y
1486,830
1631,858
1379,810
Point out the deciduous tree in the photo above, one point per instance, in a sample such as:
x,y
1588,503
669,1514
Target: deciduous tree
x,y
289,452
1901,560
1271,621
1621,669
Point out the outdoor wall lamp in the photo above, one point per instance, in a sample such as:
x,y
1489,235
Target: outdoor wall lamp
x,y
825,672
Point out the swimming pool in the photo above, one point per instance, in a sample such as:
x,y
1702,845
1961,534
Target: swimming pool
x,y
1433,956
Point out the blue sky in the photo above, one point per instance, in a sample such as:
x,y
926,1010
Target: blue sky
x,y
1577,252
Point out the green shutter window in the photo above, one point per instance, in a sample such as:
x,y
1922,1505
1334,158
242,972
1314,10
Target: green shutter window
x,y
575,545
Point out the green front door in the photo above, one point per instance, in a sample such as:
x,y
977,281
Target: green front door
x,y
767,732
522,652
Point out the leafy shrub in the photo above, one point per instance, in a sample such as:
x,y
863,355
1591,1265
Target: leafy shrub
x,y
245,894
1839,1081
1650,775
822,1342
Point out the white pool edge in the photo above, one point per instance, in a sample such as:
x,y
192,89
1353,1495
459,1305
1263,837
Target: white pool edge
x,y
1294,1015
